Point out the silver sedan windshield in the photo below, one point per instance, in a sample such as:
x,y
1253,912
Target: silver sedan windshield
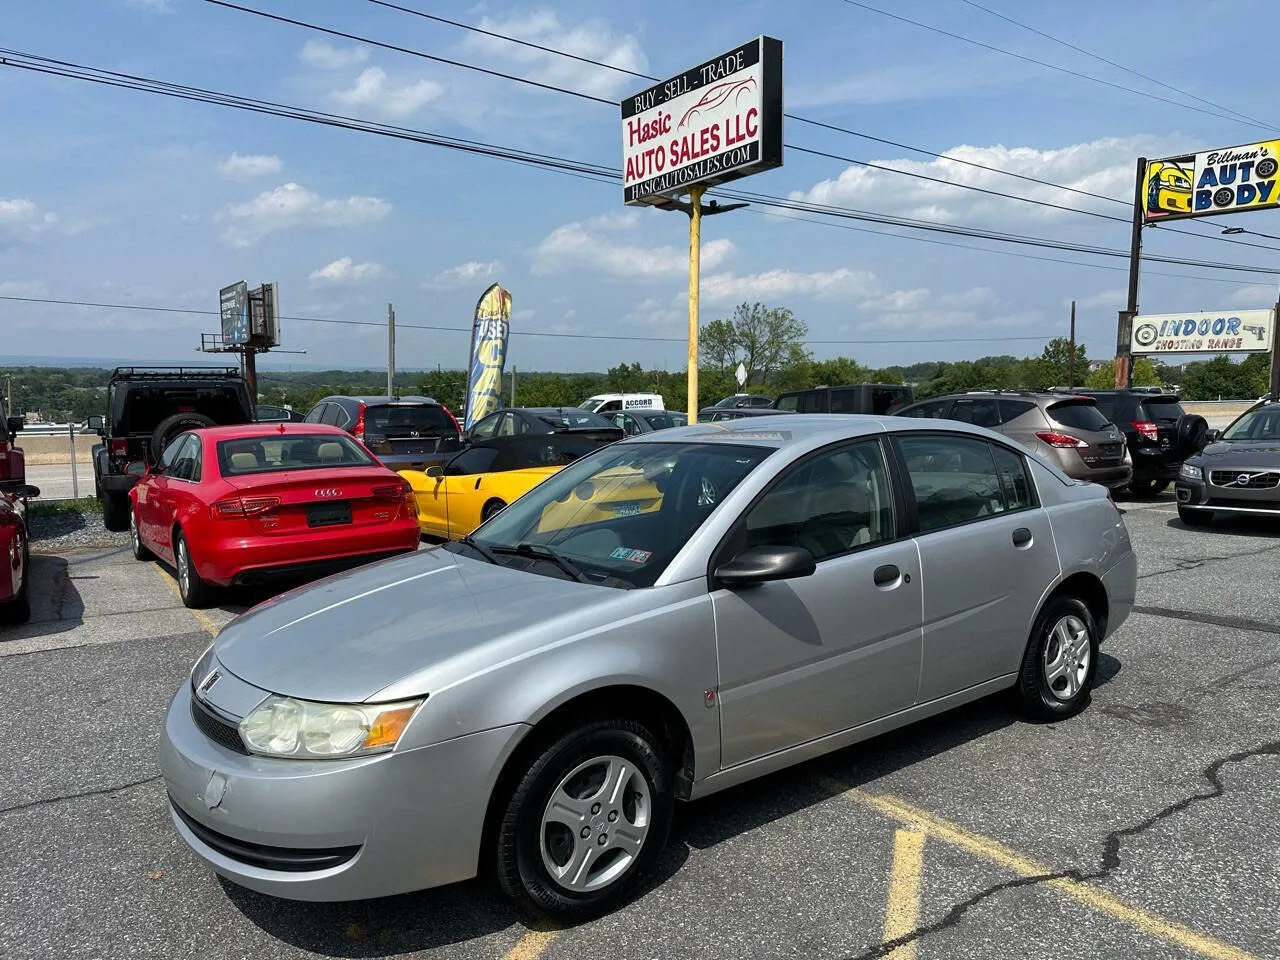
x,y
618,516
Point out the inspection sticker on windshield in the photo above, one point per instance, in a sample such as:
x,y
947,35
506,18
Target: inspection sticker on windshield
x,y
633,556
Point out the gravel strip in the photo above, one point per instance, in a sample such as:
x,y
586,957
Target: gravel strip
x,y
66,530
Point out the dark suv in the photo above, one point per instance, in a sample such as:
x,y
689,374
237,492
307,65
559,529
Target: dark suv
x,y
146,408
13,471
404,433
1160,434
875,398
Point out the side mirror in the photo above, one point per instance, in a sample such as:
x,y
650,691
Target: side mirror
x,y
27,492
762,564
435,471
96,423
1212,436
13,424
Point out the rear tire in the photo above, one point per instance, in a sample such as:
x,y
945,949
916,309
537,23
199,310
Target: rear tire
x,y
491,510
195,593
1148,488
538,842
18,610
1061,662
115,512
1192,517
135,538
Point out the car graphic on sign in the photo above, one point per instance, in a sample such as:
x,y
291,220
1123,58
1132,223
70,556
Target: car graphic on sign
x,y
1168,187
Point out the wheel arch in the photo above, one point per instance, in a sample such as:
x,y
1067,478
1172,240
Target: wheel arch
x,y
1089,589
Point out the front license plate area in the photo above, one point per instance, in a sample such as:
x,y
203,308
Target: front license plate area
x,y
328,514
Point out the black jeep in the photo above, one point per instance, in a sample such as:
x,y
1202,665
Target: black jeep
x,y
146,408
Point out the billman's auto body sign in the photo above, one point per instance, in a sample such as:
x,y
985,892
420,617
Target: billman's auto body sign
x,y
717,122
1229,180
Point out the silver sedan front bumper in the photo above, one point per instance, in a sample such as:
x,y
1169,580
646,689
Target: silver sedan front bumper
x,y
336,829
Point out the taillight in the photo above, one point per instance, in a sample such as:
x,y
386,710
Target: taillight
x,y
456,426
396,492
359,428
119,447
1147,428
237,508
1061,440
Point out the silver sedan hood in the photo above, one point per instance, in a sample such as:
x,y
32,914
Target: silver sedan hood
x,y
347,637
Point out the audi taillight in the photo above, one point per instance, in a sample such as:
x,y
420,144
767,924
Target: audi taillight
x,y
237,508
119,447
1147,428
359,428
1061,440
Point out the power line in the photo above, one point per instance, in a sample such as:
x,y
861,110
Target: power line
x,y
557,164
513,332
1110,63
831,127
1044,63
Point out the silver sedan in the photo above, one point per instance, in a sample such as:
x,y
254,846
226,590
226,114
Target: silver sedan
x,y
666,617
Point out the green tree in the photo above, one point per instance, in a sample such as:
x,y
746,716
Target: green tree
x,y
1145,374
765,340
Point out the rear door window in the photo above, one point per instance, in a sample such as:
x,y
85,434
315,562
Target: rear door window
x,y
332,415
980,411
1079,415
955,479
846,401
1160,410
789,404
399,421
884,399
929,410
316,413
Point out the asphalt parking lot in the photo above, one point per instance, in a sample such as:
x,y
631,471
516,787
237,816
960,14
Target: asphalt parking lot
x,y
1147,827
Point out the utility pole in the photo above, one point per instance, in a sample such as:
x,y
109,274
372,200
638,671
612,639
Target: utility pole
x,y
1124,329
391,352
251,371
513,386
1071,350
8,394
1274,388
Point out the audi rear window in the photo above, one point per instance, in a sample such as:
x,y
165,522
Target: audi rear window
x,y
1079,415
407,420
273,453
1157,409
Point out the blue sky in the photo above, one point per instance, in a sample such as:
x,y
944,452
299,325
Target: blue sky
x,y
123,197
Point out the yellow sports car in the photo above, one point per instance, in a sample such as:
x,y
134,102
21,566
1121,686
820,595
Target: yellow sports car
x,y
457,497
1168,188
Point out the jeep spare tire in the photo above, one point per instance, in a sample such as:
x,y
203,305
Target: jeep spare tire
x,y
170,427
1191,432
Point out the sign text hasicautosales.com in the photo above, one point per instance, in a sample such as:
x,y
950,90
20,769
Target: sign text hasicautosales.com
x,y
694,172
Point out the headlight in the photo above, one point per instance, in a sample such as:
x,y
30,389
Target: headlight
x,y
1188,472
285,727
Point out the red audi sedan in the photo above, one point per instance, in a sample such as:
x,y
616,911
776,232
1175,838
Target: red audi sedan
x,y
15,559
259,503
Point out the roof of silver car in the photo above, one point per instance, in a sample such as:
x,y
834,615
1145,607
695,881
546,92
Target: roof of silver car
x,y
780,431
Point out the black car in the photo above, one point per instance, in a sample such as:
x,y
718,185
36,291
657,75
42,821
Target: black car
x,y
526,421
146,408
1159,432
875,398
404,433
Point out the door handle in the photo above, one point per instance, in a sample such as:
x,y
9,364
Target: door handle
x,y
1022,537
886,575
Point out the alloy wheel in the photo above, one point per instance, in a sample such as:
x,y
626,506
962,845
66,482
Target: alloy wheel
x,y
595,824
1067,658
184,567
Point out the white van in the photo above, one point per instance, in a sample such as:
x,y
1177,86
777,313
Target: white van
x,y
609,402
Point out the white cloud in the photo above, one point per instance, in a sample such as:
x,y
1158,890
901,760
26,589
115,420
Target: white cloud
x,y
655,315
923,309
21,218
291,206
728,287
373,90
1103,167
22,288
239,167
590,39
1259,296
473,271
588,245
1103,298
151,6
326,56
17,210
345,270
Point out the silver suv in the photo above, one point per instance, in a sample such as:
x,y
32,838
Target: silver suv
x,y
1066,430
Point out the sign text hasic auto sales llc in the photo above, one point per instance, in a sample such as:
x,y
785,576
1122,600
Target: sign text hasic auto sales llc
x,y
717,122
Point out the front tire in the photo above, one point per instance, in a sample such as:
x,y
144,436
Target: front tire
x,y
195,592
1192,517
1147,488
586,820
115,512
1061,661
491,510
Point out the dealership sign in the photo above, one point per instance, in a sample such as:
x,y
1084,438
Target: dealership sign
x,y
233,307
1231,180
716,122
1241,331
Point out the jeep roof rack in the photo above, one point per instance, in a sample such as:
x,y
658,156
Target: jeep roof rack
x,y
168,373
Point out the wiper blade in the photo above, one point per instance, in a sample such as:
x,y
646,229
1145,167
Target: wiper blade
x,y
479,548
542,552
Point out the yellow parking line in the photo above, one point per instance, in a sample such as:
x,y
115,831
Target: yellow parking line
x,y
1083,893
202,618
902,912
531,945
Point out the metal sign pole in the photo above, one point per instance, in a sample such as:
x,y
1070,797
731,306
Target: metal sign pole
x,y
1274,387
695,251
1124,329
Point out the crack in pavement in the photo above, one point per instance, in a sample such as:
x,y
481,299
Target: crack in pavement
x,y
1110,854
1235,623
119,788
1181,563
